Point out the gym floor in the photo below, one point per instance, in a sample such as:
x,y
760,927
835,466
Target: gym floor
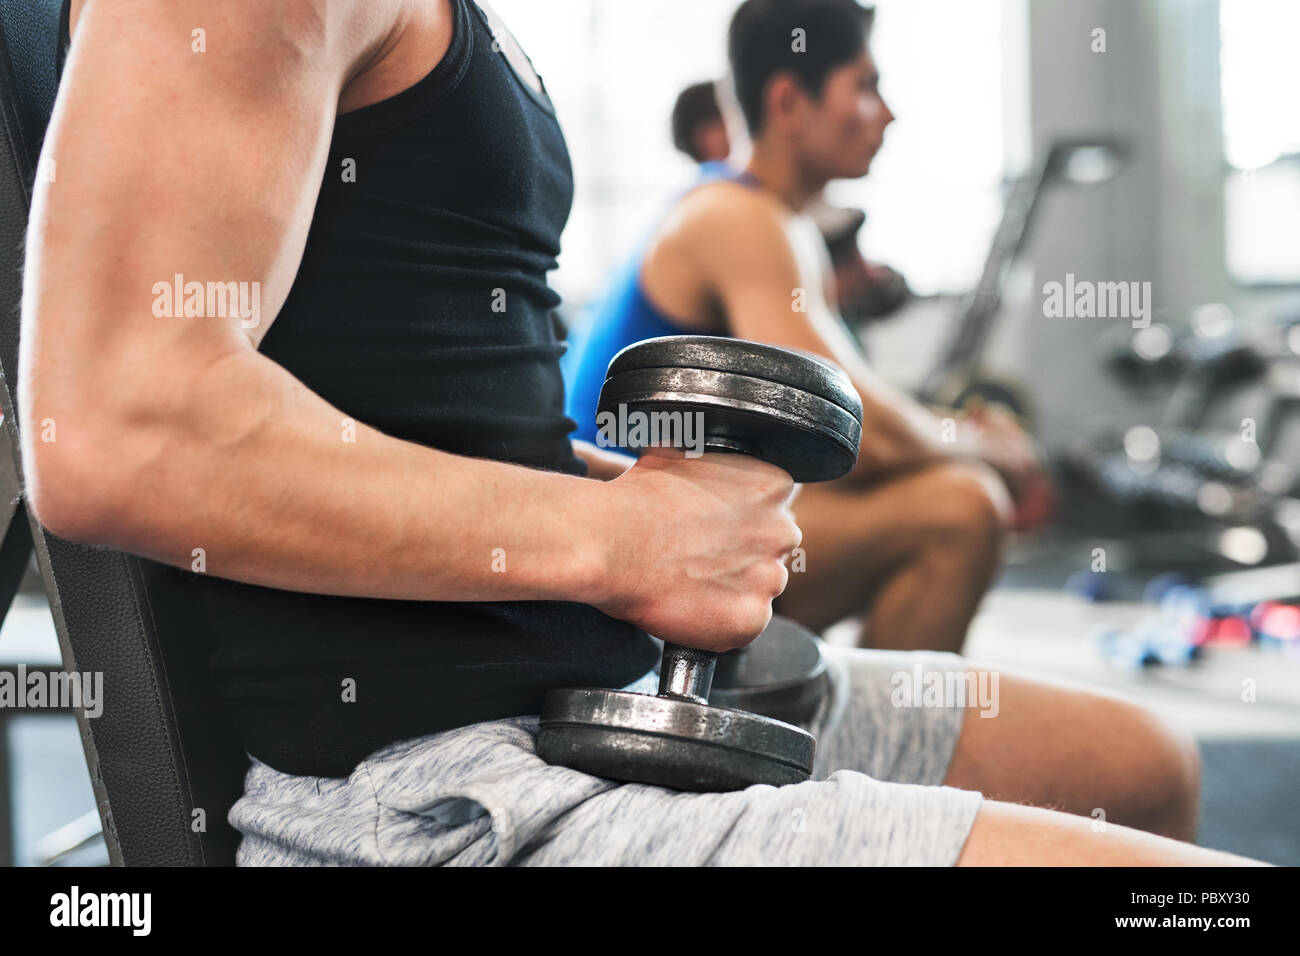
x,y
1250,751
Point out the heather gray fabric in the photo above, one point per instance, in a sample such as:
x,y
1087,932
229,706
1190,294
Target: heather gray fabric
x,y
479,795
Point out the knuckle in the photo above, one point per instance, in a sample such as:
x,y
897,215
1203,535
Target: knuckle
x,y
782,578
784,535
794,534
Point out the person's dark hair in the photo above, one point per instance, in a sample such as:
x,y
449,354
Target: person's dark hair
x,y
695,106
762,42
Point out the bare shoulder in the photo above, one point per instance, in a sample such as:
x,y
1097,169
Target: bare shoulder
x,y
728,221
726,209
305,17
345,35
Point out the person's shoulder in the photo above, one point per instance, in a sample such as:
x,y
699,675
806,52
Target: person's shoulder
x,y
251,14
725,212
725,200
349,32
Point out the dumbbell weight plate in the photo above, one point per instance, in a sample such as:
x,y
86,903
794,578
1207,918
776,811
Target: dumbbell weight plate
x,y
782,674
798,369
669,742
794,411
809,437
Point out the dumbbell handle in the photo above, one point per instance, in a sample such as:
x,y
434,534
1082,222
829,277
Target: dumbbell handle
x,y
686,673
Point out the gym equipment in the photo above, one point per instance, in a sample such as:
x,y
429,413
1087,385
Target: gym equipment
x,y
1194,490
794,411
1173,635
1091,586
1228,611
1126,650
782,674
866,292
1143,357
1277,625
1155,589
957,378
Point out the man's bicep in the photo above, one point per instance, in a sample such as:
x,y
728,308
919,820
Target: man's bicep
x,y
187,140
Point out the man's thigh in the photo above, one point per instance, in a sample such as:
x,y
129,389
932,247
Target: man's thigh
x,y
876,797
1060,745
940,718
936,718
877,720
849,819
480,795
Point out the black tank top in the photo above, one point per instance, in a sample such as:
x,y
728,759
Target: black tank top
x,y
421,308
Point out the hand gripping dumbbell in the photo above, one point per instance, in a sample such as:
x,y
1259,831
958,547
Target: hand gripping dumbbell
x,y
788,408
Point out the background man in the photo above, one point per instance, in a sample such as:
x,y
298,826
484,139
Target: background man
x,y
910,541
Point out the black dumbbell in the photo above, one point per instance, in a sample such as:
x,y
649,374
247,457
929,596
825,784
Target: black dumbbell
x,y
790,409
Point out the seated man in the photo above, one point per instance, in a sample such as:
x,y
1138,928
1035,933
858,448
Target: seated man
x,y
864,290
910,541
400,550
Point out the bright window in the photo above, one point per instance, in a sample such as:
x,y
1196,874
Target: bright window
x,y
1260,80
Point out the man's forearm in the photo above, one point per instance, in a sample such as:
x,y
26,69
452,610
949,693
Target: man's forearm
x,y
898,434
255,478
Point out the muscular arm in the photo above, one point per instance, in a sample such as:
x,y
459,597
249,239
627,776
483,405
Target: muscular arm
x,y
766,267
172,434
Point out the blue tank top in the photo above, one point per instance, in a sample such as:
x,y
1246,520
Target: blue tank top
x,y
624,316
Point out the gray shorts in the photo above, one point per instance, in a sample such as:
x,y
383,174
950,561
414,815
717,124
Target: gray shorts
x,y
479,795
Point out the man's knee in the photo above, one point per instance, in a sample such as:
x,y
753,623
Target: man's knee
x,y
1172,778
969,506
1152,773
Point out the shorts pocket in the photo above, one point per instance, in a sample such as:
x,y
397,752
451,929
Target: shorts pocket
x,y
474,796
